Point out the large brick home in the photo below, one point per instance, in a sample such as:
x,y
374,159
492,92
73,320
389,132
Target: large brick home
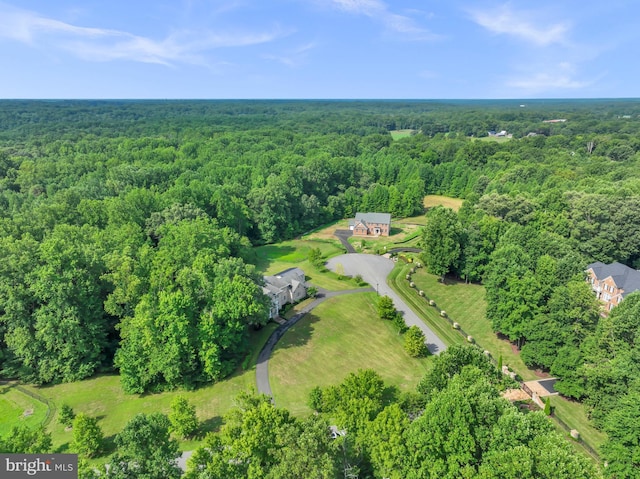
x,y
283,288
371,224
612,282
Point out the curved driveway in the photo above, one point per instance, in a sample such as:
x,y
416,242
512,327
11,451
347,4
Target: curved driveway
x,y
374,270
262,366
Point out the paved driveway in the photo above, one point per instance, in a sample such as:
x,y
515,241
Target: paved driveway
x,y
374,270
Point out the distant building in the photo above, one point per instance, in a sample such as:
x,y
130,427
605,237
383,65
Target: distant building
x,y
612,282
371,224
287,287
558,120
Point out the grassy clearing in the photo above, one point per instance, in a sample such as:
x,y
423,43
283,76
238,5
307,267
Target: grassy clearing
x,y
272,259
465,304
398,134
103,397
430,201
574,414
14,404
340,336
497,139
428,313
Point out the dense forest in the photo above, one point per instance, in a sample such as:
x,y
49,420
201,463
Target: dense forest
x,y
126,229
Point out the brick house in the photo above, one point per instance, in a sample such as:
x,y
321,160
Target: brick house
x,y
612,282
371,224
286,287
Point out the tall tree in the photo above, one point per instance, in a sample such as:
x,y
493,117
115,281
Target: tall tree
x,y
441,241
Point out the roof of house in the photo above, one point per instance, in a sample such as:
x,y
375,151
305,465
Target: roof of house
x,y
374,217
290,277
625,278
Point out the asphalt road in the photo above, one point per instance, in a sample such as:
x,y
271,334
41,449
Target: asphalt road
x,y
374,270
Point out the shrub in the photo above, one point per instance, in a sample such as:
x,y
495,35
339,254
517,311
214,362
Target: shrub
x,y
432,302
183,417
443,313
470,339
456,326
66,415
412,284
399,324
414,342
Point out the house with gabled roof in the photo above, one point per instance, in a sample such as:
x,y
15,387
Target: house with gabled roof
x,y
286,287
612,282
371,224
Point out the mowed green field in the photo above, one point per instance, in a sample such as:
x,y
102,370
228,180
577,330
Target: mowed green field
x,y
18,408
103,397
340,336
466,305
399,134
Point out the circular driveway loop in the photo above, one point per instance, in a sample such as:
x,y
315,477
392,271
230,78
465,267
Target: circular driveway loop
x,y
374,270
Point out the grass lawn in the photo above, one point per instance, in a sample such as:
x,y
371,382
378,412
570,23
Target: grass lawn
x,y
14,404
272,259
430,201
574,415
497,139
465,304
103,397
340,336
398,134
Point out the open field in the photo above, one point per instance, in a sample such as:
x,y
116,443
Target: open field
x,y
340,336
398,134
14,404
436,200
103,397
497,139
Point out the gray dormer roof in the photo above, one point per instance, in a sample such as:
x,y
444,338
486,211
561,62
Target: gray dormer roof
x,y
625,278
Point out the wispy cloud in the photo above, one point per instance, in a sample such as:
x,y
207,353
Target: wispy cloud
x,y
379,11
100,44
505,20
561,77
293,58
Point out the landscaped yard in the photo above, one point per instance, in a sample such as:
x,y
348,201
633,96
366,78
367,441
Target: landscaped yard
x,y
19,408
103,397
272,259
465,304
340,336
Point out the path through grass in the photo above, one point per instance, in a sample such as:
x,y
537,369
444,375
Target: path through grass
x,y
340,336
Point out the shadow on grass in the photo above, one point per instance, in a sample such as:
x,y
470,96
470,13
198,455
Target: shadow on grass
x,y
300,333
211,424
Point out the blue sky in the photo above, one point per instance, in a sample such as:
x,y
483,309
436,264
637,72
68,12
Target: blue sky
x,y
319,49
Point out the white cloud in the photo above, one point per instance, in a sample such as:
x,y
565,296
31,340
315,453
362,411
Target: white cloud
x,y
98,44
379,11
504,20
294,57
561,77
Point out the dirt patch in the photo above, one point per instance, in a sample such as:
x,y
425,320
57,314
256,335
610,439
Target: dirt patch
x,y
541,374
515,395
